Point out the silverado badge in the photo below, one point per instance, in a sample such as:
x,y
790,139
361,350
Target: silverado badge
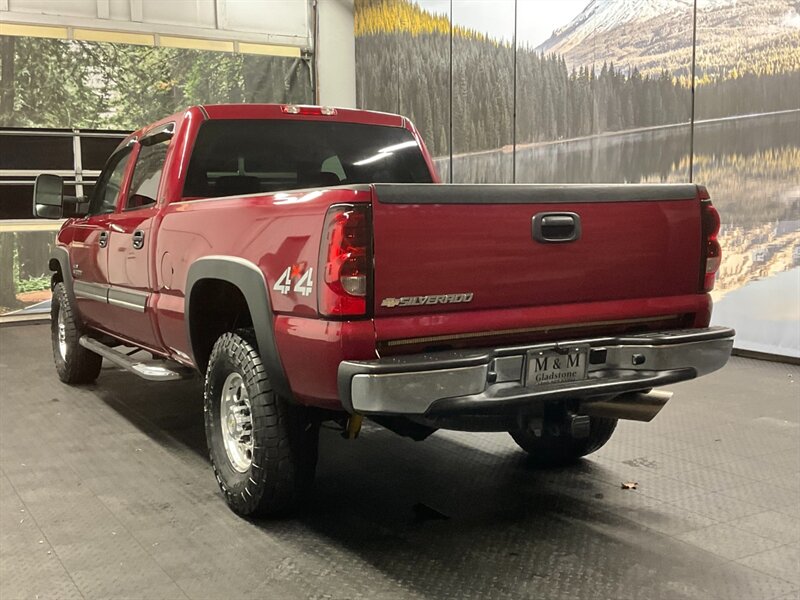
x,y
433,299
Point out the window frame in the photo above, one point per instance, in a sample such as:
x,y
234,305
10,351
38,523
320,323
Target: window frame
x,y
162,134
129,193
122,154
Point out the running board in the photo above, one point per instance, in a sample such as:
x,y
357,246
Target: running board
x,y
157,370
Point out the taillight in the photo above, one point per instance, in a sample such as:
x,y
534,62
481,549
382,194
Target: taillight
x,y
712,252
345,261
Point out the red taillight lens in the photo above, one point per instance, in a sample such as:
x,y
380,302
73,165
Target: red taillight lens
x,y
345,261
712,252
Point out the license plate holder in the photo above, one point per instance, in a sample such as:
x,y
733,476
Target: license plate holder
x,y
551,366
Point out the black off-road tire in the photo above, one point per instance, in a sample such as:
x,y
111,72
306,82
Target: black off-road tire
x,y
75,364
285,440
550,450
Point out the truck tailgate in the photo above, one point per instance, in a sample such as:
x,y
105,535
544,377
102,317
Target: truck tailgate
x,y
445,248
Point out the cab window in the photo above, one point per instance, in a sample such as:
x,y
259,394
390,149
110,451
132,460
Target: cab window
x,y
106,190
147,172
233,157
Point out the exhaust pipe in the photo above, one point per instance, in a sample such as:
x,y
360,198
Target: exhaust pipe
x,y
634,406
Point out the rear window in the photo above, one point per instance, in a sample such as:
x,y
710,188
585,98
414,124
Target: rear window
x,y
248,157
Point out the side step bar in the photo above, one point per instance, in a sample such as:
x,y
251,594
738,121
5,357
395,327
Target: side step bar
x,y
160,370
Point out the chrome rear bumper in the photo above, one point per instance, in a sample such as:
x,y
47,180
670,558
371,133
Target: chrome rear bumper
x,y
461,382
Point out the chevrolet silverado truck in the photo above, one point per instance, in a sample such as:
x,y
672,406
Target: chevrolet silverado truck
x,y
307,262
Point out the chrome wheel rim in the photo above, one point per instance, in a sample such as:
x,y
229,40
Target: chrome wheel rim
x,y
236,423
62,335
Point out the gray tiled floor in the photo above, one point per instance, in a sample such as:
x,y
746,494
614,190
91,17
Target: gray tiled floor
x,y
105,492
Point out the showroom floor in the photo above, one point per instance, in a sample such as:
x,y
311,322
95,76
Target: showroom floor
x,y
106,492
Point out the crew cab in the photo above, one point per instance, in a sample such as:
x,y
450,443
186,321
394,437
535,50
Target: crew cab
x,y
310,265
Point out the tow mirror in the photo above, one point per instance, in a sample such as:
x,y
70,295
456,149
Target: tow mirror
x,y
48,196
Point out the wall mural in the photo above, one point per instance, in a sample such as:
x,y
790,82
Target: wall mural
x,y
750,65
603,94
50,83
99,85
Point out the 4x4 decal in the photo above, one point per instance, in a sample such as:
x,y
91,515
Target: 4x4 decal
x,y
304,285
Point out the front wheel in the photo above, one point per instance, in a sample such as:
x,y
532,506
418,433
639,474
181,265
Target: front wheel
x,y
74,363
263,449
553,448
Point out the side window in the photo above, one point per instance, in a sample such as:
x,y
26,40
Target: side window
x,y
106,190
143,191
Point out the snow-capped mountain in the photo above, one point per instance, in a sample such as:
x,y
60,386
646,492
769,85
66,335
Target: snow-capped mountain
x,y
657,34
604,15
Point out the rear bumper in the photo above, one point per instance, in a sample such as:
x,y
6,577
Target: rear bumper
x,y
492,381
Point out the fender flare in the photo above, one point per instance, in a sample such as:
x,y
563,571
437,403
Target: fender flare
x,y
60,254
250,281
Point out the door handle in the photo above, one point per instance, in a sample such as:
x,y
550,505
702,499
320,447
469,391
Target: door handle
x,y
103,241
138,239
549,228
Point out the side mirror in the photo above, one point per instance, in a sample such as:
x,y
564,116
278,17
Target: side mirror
x,y
48,196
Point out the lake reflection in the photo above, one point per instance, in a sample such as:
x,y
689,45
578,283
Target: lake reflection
x,y
751,167
766,314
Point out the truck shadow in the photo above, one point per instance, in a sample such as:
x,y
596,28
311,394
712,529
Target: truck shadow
x,y
466,516
460,515
170,413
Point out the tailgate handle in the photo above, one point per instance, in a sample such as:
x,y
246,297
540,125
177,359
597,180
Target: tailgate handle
x,y
553,227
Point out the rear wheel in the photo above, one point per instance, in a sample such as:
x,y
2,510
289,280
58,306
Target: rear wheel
x,y
74,363
263,449
556,446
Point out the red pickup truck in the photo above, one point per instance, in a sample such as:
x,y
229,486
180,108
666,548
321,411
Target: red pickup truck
x,y
304,260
